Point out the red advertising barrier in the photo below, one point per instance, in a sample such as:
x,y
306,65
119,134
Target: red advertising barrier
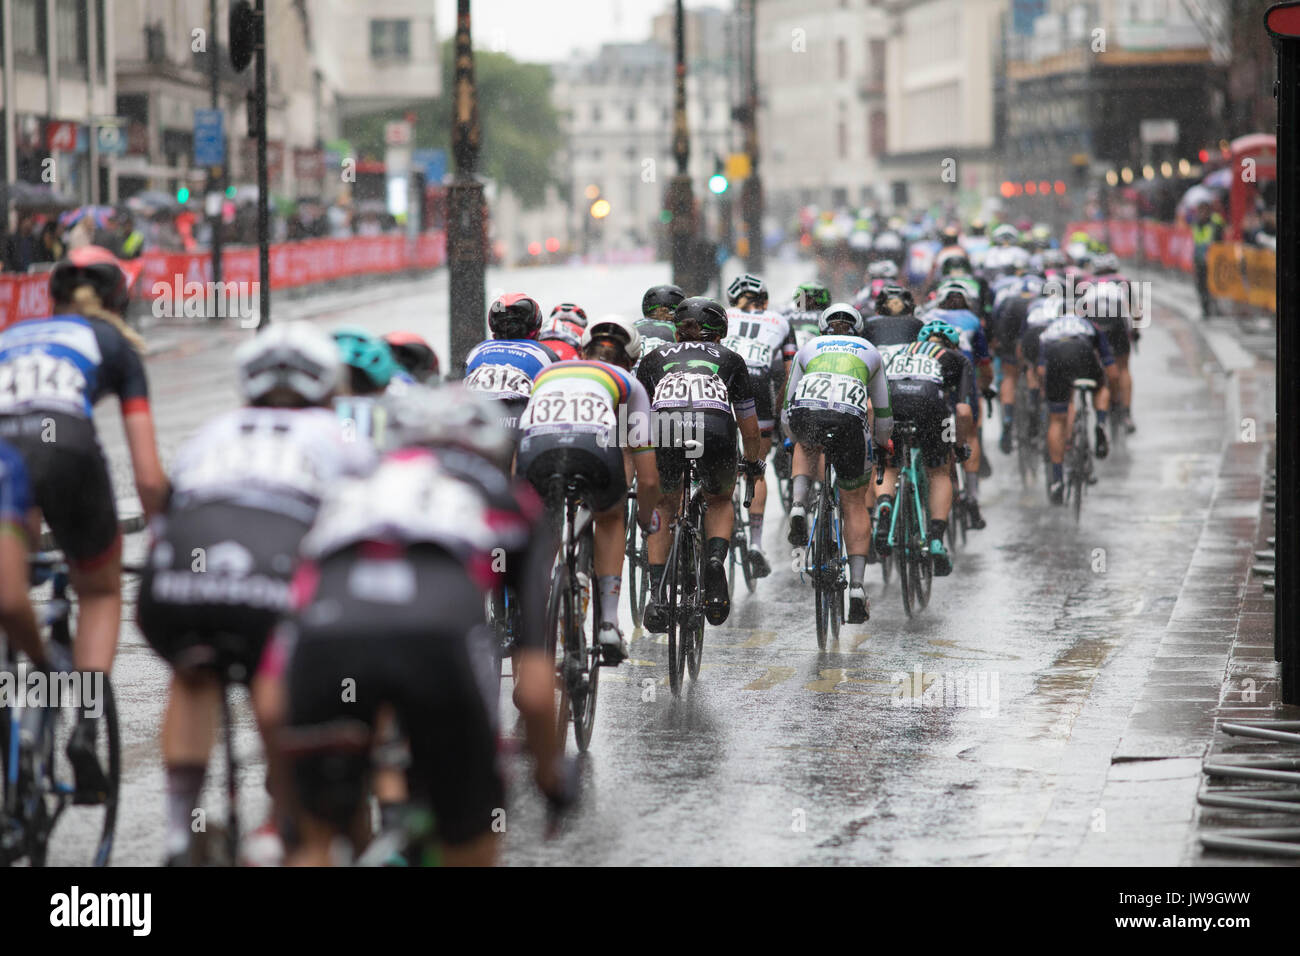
x,y
293,264
1168,245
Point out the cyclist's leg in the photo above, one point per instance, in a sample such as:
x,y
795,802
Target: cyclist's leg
x,y
716,469
1054,372
807,463
764,407
671,464
854,477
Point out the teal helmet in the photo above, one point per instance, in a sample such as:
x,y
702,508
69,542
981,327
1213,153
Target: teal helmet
x,y
367,353
938,327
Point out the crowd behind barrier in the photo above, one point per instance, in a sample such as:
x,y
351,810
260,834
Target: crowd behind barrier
x,y
1238,272
293,265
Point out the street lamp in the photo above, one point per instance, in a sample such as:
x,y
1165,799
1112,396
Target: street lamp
x,y
466,213
679,202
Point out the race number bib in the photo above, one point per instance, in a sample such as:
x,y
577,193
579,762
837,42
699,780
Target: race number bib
x,y
832,390
887,352
690,390
41,379
500,380
912,365
568,411
756,353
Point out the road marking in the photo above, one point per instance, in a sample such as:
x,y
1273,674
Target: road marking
x,y
773,676
758,639
832,678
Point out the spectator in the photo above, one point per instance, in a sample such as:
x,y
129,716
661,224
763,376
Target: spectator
x,y
49,248
1206,230
20,250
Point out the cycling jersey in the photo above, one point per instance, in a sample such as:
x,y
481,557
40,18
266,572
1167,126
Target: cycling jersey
x,y
763,339
585,396
840,373
362,417
67,363
563,338
697,376
1075,327
973,343
891,333
276,459
928,366
804,325
15,494
504,369
654,333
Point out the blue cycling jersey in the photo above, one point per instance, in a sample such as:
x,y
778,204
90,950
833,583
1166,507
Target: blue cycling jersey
x,y
15,493
973,344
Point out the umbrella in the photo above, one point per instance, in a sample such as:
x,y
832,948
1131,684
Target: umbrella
x,y
1195,196
100,215
152,200
1219,179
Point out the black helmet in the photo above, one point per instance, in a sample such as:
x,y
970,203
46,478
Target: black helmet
x,y
709,315
895,300
515,316
96,267
659,296
810,296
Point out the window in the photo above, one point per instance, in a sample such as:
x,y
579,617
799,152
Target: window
x,y
101,41
842,138
876,63
70,23
390,39
841,58
29,28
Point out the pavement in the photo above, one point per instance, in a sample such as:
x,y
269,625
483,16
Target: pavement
x,y
1082,746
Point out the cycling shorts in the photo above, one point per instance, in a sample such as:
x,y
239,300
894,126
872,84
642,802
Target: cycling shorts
x,y
847,450
715,461
397,628
577,455
1116,331
760,384
69,481
926,408
218,578
1066,360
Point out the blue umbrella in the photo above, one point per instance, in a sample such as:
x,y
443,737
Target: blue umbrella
x,y
100,215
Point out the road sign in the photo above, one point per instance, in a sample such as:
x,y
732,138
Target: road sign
x,y
209,138
738,167
110,137
60,136
433,162
1283,20
397,133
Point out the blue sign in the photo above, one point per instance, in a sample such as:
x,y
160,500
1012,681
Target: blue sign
x,y
432,162
209,138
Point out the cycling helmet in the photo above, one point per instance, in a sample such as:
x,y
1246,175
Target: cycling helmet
x,y
884,269
570,313
1006,234
1104,300
950,292
949,234
888,243
293,355
1105,263
615,327
414,354
367,353
1032,285
515,316
661,296
448,416
970,284
841,312
955,264
810,296
710,315
746,284
559,329
895,300
1053,259
98,268
938,327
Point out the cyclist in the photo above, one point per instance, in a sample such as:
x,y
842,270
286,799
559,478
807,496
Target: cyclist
x,y
955,305
369,368
803,314
1071,347
707,384
1009,314
656,323
837,383
245,490
894,324
17,619
389,600
879,275
415,357
762,338
503,367
571,427
562,332
53,371
929,385
1108,305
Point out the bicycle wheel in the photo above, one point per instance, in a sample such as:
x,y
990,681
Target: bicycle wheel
x,y
821,558
635,571
559,612
676,574
695,620
903,543
82,828
584,679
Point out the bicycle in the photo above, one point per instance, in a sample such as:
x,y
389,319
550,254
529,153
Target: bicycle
x,y
1029,430
959,517
783,467
1078,452
824,557
638,563
681,589
577,659
738,557
38,783
909,520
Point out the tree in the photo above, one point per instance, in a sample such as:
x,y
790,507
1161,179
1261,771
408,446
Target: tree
x,y
520,127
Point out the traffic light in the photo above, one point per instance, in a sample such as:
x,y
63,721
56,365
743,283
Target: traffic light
x,y
182,195
718,181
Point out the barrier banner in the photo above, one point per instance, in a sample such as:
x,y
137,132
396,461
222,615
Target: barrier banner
x,y
293,264
1243,273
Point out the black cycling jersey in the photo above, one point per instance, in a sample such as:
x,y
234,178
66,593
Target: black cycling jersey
x,y
892,329
697,376
925,365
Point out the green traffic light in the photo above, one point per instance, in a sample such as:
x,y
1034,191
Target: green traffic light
x,y
230,192
182,195
718,183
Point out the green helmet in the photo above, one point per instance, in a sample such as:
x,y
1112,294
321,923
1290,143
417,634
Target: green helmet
x,y
811,296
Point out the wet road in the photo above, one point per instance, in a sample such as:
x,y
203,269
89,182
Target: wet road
x,y
780,754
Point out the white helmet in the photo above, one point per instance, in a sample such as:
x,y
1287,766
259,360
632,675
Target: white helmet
x,y
295,355
841,312
448,416
618,327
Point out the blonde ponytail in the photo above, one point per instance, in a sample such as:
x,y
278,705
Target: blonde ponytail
x,y
85,301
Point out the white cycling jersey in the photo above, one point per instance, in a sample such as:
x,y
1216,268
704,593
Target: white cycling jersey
x,y
763,339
